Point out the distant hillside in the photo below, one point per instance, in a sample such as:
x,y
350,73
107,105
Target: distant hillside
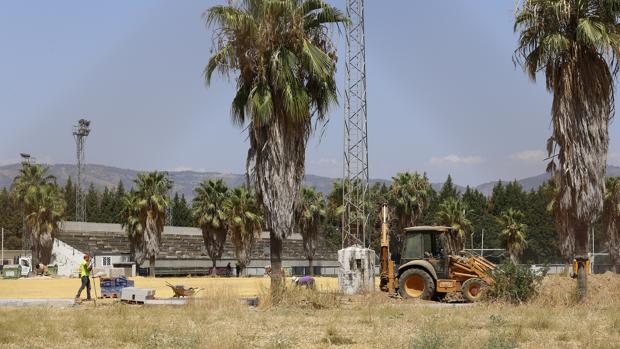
x,y
185,181
532,183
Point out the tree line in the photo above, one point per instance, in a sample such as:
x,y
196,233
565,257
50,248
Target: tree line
x,y
522,223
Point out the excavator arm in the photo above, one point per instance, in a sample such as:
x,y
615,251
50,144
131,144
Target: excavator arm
x,y
387,281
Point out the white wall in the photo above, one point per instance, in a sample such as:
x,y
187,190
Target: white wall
x,y
67,258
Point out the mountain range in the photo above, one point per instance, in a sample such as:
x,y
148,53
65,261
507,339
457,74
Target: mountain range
x,y
185,181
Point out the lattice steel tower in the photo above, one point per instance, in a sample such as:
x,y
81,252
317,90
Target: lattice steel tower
x,y
355,177
80,132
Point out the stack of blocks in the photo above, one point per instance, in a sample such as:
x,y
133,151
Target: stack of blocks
x,y
113,287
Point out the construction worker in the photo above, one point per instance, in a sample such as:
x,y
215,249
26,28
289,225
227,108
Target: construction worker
x,y
85,268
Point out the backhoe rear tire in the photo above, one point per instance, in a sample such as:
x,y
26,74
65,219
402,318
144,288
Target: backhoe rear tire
x,y
416,284
473,289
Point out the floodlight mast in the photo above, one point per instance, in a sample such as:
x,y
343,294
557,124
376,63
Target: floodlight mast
x,y
355,176
80,132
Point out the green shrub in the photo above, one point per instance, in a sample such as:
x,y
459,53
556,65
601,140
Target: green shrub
x,y
514,283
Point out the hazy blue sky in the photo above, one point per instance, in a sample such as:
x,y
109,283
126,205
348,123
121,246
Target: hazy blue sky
x,y
443,93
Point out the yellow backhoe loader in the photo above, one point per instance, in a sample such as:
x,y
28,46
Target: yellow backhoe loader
x,y
425,271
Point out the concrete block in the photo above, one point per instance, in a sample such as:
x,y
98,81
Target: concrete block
x,y
134,294
356,273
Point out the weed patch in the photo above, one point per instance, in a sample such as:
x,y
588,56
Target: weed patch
x,y
332,337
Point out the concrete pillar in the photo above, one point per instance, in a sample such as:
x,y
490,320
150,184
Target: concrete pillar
x,y
356,273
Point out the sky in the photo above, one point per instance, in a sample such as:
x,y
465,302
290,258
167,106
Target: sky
x,y
444,96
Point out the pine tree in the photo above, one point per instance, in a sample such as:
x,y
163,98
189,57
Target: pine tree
x,y
10,220
175,210
118,202
477,205
69,195
92,204
543,244
185,214
106,214
448,190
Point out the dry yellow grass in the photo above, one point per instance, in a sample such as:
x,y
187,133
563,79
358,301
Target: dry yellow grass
x,y
327,320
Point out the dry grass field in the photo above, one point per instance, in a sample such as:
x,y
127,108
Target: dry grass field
x,y
325,320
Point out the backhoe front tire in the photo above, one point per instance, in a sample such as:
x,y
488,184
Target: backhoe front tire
x,y
473,289
416,284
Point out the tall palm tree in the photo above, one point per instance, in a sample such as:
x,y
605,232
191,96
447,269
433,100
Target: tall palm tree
x,y
611,218
210,215
513,233
311,213
575,43
152,192
408,197
43,205
244,223
131,220
453,213
44,219
285,63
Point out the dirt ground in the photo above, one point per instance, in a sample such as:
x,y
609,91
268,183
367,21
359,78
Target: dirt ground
x,y
325,320
44,287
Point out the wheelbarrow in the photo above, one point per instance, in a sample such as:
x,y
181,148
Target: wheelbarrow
x,y
182,291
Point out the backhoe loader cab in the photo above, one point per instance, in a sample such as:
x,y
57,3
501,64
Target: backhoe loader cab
x,y
423,243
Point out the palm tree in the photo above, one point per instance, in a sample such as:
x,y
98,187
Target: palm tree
x,y
44,219
453,213
285,63
209,214
43,205
311,213
575,43
567,241
513,233
611,218
244,220
131,221
408,197
152,192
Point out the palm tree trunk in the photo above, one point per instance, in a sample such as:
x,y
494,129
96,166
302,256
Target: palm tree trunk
x,y
152,266
46,243
275,248
581,255
35,244
581,279
513,257
213,269
280,156
310,266
582,105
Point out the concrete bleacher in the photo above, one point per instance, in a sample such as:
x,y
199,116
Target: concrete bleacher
x,y
183,248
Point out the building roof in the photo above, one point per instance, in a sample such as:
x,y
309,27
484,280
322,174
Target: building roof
x,y
82,227
435,228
